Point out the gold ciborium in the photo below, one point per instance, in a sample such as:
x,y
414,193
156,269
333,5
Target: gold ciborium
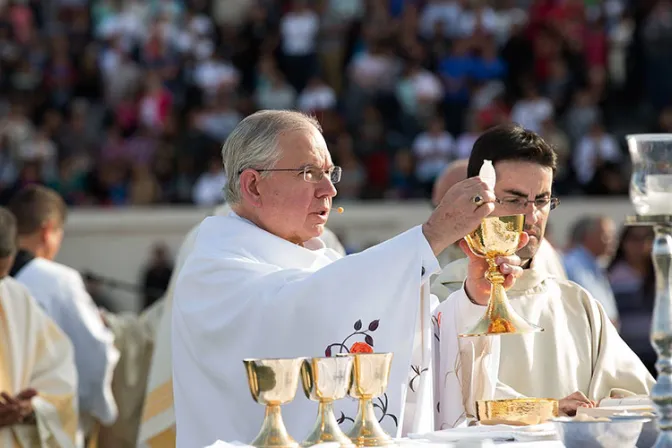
x,y
273,382
516,411
498,236
370,374
326,380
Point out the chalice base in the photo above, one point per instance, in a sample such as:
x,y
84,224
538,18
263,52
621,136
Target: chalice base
x,y
273,433
500,318
366,431
326,429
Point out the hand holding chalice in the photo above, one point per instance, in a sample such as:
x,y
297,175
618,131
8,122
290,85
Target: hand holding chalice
x,y
495,237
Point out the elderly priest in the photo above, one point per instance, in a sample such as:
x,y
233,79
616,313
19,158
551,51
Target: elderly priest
x,y
38,379
260,284
579,358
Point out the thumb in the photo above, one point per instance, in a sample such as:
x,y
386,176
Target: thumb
x,y
524,239
26,394
467,251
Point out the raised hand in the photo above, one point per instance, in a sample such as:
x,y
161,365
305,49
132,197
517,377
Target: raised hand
x,y
461,210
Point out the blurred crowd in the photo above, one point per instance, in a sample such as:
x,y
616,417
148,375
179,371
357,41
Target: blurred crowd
x,y
126,102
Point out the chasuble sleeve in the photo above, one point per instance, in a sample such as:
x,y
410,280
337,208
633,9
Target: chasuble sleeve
x,y
54,376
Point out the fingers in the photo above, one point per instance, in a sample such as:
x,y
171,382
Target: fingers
x,y
9,400
511,260
578,395
26,394
484,210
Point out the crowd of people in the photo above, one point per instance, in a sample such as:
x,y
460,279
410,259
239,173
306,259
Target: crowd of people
x,y
127,102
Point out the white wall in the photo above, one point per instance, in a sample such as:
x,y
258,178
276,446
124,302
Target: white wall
x,y
116,243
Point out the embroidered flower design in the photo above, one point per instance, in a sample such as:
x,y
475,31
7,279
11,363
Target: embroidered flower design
x,y
365,346
361,347
436,324
359,332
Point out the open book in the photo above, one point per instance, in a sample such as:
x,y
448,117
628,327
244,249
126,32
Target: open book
x,y
610,406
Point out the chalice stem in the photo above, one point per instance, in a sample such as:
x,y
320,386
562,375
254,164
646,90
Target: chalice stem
x,y
326,427
273,432
366,431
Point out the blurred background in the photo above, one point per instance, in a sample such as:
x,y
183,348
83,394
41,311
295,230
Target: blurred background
x,y
122,106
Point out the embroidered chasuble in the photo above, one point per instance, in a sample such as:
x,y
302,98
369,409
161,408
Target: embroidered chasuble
x,y
579,349
157,427
34,353
245,293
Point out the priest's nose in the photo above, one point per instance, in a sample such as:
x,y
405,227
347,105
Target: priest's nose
x,y
325,188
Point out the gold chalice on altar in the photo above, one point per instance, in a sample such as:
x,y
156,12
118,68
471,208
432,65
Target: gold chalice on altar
x,y
498,236
273,382
370,374
326,380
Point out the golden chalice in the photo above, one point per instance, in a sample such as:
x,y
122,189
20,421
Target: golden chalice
x,y
273,382
370,375
498,236
326,380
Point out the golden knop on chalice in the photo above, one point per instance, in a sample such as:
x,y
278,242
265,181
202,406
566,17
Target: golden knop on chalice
x,y
498,236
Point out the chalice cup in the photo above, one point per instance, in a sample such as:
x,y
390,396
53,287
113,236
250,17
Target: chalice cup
x,y
498,236
370,376
273,382
326,380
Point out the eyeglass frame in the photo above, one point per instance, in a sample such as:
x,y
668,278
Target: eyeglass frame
x,y
305,170
553,201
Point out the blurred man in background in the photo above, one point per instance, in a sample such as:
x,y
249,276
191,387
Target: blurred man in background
x,y
60,291
593,240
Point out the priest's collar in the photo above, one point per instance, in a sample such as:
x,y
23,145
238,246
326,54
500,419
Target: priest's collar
x,y
531,280
311,244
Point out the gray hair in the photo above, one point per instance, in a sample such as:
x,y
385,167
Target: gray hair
x,y
254,144
583,227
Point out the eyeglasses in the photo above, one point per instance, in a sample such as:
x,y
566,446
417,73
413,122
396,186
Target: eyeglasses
x,y
312,174
518,204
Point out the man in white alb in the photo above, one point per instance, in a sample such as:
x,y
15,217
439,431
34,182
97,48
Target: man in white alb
x,y
60,291
579,358
260,284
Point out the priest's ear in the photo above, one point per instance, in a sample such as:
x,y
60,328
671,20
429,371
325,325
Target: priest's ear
x,y
249,187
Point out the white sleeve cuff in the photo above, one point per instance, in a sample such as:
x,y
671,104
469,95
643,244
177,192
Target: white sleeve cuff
x,y
430,265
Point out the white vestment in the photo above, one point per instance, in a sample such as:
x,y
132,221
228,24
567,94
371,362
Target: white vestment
x,y
157,428
579,350
34,353
245,293
61,292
